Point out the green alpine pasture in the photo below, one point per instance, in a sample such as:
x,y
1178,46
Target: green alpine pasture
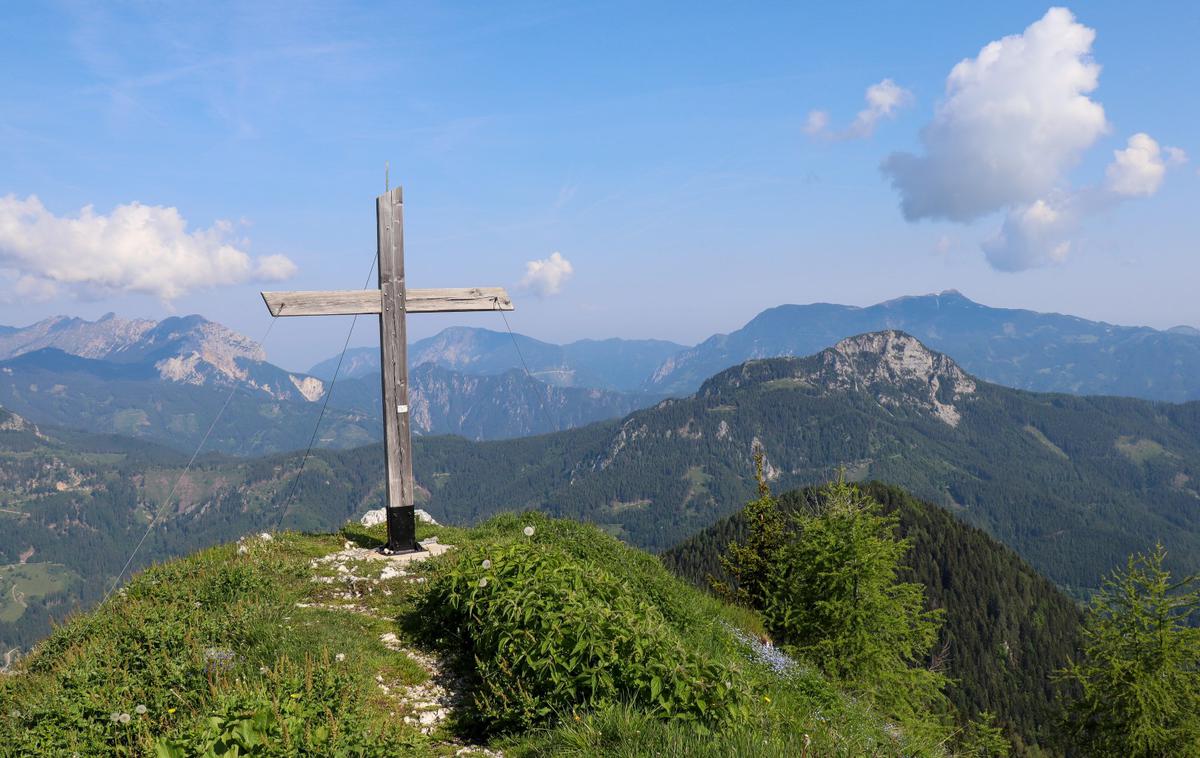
x,y
563,642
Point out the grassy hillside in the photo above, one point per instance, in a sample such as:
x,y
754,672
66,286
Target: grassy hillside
x,y
299,645
1007,628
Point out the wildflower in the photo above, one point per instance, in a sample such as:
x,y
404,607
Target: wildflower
x,y
295,696
487,563
114,717
124,718
242,550
170,710
140,710
766,699
483,582
340,657
529,530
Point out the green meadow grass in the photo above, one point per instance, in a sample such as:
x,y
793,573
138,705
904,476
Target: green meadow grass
x,y
211,654
21,582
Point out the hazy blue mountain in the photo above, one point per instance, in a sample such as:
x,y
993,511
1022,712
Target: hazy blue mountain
x,y
1045,352
358,361
488,407
49,386
1073,484
613,364
187,350
54,387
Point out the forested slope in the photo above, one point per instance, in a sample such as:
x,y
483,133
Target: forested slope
x,y
1007,629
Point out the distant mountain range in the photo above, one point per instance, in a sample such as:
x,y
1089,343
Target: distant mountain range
x,y
166,381
1043,352
1073,484
187,350
487,407
617,365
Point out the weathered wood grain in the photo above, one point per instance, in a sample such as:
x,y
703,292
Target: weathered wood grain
x,y
348,302
393,341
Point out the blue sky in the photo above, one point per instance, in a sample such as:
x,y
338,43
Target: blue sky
x,y
669,154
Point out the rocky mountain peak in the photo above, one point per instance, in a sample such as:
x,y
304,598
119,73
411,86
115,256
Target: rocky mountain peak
x,y
894,357
897,367
11,422
892,366
87,339
181,349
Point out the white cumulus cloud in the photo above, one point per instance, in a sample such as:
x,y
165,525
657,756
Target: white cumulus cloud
x,y
137,248
884,100
548,275
1138,169
1014,121
1032,235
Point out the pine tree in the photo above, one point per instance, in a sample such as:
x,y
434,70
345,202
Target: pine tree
x,y
749,565
1139,676
836,597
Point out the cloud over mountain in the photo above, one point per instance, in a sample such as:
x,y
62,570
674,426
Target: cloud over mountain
x,y
548,275
1014,121
136,248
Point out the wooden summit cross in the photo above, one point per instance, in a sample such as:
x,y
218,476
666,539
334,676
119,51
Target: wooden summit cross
x,y
391,301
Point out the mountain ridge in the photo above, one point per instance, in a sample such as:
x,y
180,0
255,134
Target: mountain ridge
x,y
1024,349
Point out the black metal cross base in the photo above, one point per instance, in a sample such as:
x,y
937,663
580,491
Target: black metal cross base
x,y
402,530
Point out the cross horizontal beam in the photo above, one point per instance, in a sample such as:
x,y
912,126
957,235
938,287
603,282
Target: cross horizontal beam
x,y
349,302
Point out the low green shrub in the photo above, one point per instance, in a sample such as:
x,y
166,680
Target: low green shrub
x,y
309,708
551,635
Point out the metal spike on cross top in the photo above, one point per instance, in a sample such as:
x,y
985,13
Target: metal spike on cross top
x,y
391,302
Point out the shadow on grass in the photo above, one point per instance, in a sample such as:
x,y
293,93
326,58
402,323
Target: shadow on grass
x,y
363,536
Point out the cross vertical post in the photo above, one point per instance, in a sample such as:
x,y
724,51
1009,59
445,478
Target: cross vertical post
x,y
393,344
392,302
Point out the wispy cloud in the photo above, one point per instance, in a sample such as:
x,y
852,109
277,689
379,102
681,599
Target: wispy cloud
x,y
884,100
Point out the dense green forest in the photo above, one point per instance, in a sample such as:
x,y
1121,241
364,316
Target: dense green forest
x,y
1006,631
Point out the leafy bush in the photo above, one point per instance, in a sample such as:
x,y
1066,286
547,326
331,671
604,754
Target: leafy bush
x,y
551,634
307,709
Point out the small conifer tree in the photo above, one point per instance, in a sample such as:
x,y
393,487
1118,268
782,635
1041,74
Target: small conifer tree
x,y
1139,676
749,564
835,595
